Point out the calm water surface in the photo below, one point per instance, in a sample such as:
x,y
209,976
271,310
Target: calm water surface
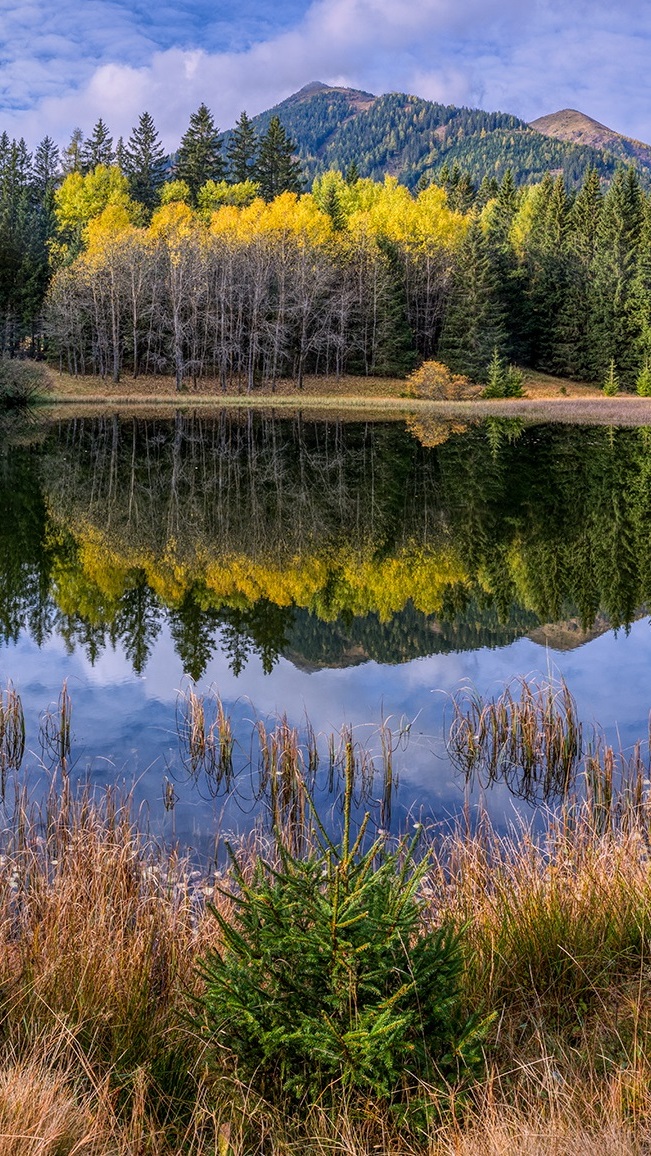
x,y
343,572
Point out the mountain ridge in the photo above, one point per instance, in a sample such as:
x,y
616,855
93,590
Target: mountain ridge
x,y
412,138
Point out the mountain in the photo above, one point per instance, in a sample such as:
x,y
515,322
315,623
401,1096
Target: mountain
x,y
413,138
577,128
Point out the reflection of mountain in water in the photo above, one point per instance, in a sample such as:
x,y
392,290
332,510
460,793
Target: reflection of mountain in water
x,y
312,644
329,543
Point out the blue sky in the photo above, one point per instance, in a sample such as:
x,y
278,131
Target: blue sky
x,y
65,64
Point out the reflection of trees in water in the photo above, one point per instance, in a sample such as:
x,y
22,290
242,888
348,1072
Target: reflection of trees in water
x,y
145,518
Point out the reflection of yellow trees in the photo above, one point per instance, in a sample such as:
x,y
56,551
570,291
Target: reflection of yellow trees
x,y
98,572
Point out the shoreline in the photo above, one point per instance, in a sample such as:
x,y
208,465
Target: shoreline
x,y
592,410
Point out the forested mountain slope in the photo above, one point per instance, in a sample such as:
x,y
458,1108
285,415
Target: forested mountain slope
x,y
413,138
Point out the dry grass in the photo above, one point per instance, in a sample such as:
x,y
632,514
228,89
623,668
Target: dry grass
x,y
547,399
100,932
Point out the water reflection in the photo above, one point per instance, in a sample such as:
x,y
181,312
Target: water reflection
x,y
262,554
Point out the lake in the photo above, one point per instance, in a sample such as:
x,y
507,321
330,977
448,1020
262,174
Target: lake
x,y
345,573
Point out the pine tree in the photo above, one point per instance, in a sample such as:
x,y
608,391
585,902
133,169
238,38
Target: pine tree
x,y
277,171
145,162
241,151
474,323
98,148
199,157
331,205
352,174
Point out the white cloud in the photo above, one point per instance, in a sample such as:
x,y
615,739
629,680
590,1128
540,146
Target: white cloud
x,y
72,64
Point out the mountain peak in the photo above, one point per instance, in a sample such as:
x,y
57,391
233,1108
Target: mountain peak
x,y
576,127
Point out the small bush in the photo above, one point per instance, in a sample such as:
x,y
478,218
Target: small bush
x,y
22,382
433,381
327,978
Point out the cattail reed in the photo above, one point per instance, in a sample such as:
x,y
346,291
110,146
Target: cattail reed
x,y
205,737
12,734
56,732
528,737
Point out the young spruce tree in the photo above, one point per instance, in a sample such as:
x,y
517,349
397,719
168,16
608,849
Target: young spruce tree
x,y
277,170
98,148
145,162
241,151
199,157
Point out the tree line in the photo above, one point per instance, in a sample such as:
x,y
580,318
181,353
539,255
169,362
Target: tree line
x,y
115,260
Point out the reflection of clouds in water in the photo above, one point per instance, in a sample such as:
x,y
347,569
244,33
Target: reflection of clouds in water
x,y
124,725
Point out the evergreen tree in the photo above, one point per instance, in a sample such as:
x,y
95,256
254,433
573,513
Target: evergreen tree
x,y
643,383
242,150
121,155
145,162
474,323
277,170
573,354
332,206
45,167
611,384
199,157
97,149
508,277
615,324
352,174
71,161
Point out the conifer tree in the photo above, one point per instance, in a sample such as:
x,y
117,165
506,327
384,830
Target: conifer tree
x,y
97,149
508,276
573,353
643,383
241,151
145,162
616,326
199,157
45,167
277,170
474,324
352,174
611,383
71,161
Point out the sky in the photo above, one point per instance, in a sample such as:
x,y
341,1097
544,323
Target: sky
x,y
65,64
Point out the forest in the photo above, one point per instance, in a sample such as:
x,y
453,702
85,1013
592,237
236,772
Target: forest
x,y
224,267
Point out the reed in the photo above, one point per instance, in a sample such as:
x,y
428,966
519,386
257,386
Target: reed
x,y
12,734
205,735
529,737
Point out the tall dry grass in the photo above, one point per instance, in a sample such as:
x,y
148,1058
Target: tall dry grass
x,y
100,932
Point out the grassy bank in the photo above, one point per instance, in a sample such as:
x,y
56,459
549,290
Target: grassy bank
x,y
101,935
546,399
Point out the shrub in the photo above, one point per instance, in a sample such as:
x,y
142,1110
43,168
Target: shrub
x,y
326,976
22,382
435,382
